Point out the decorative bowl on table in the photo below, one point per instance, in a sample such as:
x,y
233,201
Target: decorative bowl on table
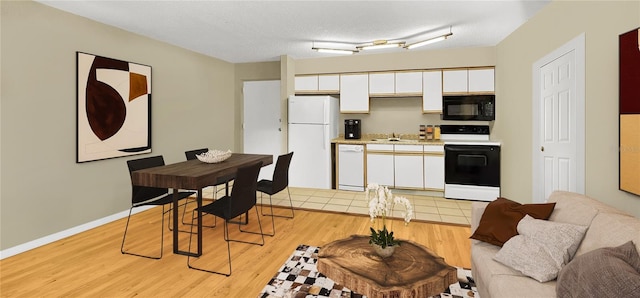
x,y
214,156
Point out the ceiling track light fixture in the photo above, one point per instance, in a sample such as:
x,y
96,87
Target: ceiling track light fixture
x,y
334,51
381,44
385,44
428,41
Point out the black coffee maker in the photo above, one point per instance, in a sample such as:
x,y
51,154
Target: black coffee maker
x,y
352,128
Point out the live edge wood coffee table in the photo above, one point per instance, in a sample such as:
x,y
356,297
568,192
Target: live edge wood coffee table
x,y
412,271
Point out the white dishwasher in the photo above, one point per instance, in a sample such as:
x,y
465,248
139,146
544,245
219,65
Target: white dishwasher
x,y
351,167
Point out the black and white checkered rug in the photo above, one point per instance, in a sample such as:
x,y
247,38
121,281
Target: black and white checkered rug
x,y
299,278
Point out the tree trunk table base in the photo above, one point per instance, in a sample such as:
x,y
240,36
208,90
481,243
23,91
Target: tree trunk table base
x,y
412,271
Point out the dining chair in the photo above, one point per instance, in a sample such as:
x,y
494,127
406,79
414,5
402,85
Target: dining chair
x,y
150,196
279,182
242,200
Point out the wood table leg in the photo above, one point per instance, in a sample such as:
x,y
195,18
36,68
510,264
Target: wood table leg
x,y
176,246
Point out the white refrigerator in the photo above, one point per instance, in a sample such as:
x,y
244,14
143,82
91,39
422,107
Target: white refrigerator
x,y
313,123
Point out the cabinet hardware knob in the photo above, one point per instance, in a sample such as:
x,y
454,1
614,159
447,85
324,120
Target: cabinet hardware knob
x,y
542,148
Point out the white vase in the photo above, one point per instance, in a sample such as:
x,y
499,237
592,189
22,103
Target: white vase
x,y
384,252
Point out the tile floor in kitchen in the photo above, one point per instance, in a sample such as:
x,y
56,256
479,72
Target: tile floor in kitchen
x,y
426,208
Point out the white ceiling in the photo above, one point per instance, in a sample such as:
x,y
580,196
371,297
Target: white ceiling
x,y
253,31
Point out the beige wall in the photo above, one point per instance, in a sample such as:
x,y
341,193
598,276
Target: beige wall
x,y
553,26
43,190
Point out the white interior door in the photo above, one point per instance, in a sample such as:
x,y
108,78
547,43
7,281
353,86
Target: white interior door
x,y
559,138
262,132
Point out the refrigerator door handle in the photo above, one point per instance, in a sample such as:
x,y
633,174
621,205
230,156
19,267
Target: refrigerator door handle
x,y
324,139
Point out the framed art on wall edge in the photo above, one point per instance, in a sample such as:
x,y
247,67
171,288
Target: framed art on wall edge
x,y
113,108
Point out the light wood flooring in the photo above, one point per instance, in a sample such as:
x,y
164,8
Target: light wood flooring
x,y
90,264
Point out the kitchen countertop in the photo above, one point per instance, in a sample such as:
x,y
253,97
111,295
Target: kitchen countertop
x,y
381,139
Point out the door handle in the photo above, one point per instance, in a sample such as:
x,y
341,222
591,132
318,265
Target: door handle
x,y
542,148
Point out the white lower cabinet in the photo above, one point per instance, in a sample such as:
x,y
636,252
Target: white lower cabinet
x,y
409,171
380,168
434,168
419,167
408,166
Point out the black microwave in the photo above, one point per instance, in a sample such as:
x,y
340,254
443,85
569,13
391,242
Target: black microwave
x,y
469,107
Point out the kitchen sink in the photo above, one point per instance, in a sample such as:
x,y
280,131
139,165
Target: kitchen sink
x,y
395,140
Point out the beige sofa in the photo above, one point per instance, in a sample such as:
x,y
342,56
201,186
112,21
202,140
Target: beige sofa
x,y
607,227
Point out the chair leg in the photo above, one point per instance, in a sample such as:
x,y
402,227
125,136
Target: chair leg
x,y
140,255
250,232
226,233
273,223
283,216
191,223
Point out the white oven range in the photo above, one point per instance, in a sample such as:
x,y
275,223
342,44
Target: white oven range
x,y
472,163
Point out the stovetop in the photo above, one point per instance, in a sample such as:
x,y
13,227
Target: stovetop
x,y
465,129
466,135
464,132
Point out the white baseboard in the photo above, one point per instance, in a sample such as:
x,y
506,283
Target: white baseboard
x,y
12,251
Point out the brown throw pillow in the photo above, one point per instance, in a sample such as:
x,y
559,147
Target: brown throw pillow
x,y
604,272
499,222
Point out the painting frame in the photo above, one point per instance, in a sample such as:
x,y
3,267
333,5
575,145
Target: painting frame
x,y
113,108
629,112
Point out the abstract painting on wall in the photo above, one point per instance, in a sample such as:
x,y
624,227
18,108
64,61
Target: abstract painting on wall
x,y
113,108
629,50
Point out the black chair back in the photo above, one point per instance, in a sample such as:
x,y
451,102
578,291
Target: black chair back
x,y
192,154
243,194
143,193
281,173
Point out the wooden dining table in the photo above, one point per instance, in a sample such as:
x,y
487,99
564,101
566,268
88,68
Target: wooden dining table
x,y
193,175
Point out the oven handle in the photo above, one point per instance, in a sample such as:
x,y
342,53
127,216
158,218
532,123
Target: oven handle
x,y
464,148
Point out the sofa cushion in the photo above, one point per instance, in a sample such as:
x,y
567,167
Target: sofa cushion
x,y
519,286
574,198
485,269
577,209
542,247
500,219
477,209
482,255
608,229
604,272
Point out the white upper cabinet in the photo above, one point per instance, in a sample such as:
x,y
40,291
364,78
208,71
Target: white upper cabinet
x,y
317,84
475,80
401,83
409,82
455,81
306,83
382,84
329,83
481,80
354,93
432,92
